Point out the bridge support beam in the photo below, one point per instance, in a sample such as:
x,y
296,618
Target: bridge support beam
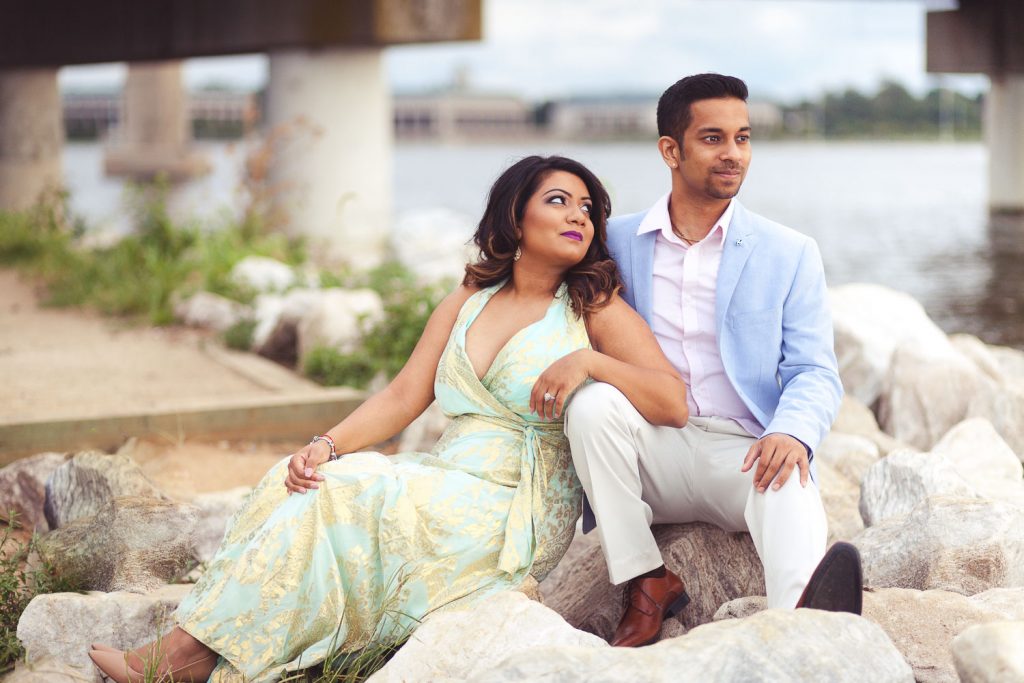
x,y
1004,133
31,136
329,118
154,137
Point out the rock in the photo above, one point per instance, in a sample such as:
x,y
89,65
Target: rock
x,y
870,321
990,653
921,624
957,544
856,419
1009,602
463,644
210,311
771,646
980,455
90,479
215,511
1004,408
741,608
277,318
850,455
262,274
338,320
840,497
928,391
61,626
23,489
424,431
134,544
718,565
49,670
897,483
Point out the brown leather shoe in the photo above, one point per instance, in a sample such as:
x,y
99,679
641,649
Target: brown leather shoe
x,y
837,583
649,601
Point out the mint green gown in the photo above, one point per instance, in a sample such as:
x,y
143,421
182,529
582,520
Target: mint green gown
x,y
386,540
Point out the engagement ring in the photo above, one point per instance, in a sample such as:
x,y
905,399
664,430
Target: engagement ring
x,y
548,396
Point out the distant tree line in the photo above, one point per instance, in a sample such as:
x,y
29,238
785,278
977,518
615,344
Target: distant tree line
x,y
891,112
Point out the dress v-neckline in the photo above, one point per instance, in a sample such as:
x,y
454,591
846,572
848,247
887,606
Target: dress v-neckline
x,y
469,323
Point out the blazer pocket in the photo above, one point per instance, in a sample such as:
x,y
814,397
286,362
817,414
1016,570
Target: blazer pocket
x,y
748,320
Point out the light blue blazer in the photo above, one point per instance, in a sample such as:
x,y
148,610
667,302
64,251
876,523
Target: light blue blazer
x,y
772,319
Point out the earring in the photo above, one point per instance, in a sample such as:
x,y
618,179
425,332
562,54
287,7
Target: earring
x,y
518,255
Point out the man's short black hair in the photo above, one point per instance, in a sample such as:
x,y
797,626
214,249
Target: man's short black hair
x,y
674,106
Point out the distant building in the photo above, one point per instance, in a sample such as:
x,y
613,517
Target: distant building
x,y
214,113
603,117
461,115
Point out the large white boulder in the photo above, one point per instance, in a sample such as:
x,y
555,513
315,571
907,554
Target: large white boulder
x,y
984,459
262,274
769,647
338,319
210,311
957,544
928,391
840,497
897,483
1003,406
990,653
61,626
463,644
870,322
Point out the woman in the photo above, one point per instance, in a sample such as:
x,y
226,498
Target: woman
x,y
370,544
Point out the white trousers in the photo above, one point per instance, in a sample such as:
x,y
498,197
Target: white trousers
x,y
636,474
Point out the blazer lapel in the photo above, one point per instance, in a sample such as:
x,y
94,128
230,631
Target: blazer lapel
x,y
642,262
738,245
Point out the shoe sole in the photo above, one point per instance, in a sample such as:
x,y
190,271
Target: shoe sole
x,y
837,583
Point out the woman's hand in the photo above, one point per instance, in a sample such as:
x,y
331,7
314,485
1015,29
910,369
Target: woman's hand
x,y
302,466
560,379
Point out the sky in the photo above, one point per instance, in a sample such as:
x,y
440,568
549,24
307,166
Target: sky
x,y
785,50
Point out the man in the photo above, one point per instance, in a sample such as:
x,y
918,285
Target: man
x,y
738,304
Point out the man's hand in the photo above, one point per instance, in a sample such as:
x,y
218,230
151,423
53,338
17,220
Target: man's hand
x,y
302,466
776,454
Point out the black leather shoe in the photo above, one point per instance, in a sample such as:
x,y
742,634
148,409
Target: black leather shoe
x,y
837,583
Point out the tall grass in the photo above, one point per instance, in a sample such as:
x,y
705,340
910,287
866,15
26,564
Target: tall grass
x,y
19,583
138,275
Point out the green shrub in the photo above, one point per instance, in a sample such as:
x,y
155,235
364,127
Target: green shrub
x,y
138,275
18,585
239,335
387,344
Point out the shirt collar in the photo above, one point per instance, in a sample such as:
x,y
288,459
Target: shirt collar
x,y
657,218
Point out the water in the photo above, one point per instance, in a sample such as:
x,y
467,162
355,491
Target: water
x,y
910,216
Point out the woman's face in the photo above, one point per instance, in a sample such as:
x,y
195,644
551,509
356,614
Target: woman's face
x,y
556,226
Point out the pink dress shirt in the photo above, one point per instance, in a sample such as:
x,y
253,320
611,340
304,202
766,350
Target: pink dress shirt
x,y
683,315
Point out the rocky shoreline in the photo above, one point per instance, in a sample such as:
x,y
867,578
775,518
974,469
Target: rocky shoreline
x,y
921,471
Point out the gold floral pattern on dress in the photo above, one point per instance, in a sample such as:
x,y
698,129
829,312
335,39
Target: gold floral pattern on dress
x,y
386,540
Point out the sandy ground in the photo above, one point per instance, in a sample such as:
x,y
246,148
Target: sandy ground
x,y
57,363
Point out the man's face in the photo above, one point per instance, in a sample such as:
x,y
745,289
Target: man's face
x,y
715,148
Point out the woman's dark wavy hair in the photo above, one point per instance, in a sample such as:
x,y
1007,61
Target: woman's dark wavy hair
x,y
592,282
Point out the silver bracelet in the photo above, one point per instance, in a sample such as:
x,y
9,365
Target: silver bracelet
x,y
330,442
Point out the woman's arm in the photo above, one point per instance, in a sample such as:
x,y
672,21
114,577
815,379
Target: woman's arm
x,y
625,355
390,411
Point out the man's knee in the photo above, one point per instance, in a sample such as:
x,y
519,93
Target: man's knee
x,y
595,406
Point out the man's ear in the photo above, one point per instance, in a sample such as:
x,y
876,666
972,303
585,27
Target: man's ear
x,y
671,152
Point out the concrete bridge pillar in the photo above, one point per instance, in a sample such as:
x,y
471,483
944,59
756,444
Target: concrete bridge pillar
x,y
1004,133
31,136
329,120
154,136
